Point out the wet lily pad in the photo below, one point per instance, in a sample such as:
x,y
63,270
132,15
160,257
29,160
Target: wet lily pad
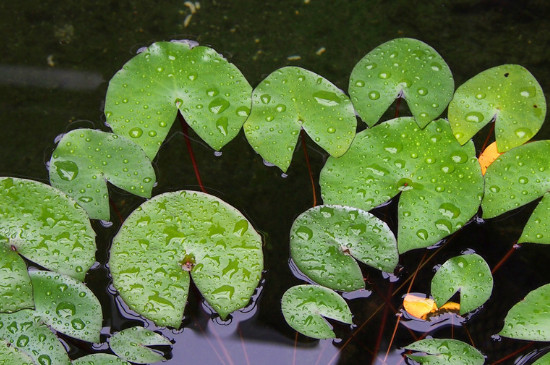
x,y
544,360
67,306
12,355
304,307
143,98
47,227
401,67
468,274
440,181
180,231
326,240
15,288
131,345
85,159
291,99
445,351
530,318
510,95
99,359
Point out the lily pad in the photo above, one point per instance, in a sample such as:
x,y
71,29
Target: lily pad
x,y
291,99
326,240
544,360
402,67
183,231
304,307
15,287
67,305
143,98
468,273
99,359
510,95
530,318
440,181
131,345
445,351
12,355
45,226
85,159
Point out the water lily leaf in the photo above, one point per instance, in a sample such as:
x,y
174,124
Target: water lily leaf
x,y
15,287
304,307
99,359
516,178
131,345
179,231
401,67
26,331
47,227
143,98
544,360
326,240
12,355
85,159
445,351
66,305
439,180
468,273
530,318
507,93
291,99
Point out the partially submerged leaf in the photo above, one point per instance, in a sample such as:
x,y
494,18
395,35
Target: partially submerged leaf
x,y
326,240
291,99
12,355
488,156
131,345
99,359
15,284
444,352
304,307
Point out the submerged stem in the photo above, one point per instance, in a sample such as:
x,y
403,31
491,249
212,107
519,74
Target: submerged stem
x,y
185,129
306,155
515,247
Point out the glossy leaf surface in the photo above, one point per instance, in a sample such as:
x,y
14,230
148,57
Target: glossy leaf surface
x,y
291,99
131,345
304,307
15,284
444,352
12,355
544,360
143,98
99,359
47,227
508,93
401,67
185,230
85,159
326,240
440,181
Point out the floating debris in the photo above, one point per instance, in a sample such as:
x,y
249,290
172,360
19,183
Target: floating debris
x,y
295,57
320,51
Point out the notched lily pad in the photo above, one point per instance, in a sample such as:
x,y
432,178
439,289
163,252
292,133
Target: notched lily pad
x,y
85,159
445,351
99,359
507,93
326,240
15,284
131,345
401,67
291,99
183,231
304,307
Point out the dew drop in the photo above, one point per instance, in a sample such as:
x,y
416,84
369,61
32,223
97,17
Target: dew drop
x,y
221,125
331,130
422,91
135,132
326,98
78,324
265,98
304,233
218,105
67,170
360,83
474,117
65,309
374,95
422,234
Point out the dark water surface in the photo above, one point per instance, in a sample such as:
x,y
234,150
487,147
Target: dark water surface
x,y
58,57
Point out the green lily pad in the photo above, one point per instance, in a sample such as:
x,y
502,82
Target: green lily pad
x,y
516,178
291,99
12,355
304,307
440,181
143,98
508,93
67,305
15,284
444,352
544,360
131,345
530,318
99,359
468,273
180,231
47,227
326,240
401,67
85,159
26,331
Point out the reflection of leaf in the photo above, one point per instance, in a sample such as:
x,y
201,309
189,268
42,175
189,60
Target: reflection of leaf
x,y
46,226
15,284
143,98
290,99
326,240
85,158
439,180
406,67
508,93
444,352
185,230
99,359
12,355
304,307
131,345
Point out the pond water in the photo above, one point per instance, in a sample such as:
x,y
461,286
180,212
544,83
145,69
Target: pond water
x,y
59,56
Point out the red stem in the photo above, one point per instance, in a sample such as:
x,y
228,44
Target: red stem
x,y
306,155
115,209
185,129
397,103
382,326
488,137
509,356
515,246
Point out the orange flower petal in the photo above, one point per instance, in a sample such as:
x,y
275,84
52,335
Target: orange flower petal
x,y
488,156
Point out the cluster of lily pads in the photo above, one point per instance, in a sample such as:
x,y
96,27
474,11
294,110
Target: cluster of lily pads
x,y
430,163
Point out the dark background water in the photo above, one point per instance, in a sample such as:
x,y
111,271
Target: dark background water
x,y
58,57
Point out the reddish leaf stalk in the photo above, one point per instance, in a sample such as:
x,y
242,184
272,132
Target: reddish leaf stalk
x,y
515,246
116,210
185,129
397,104
509,356
382,326
488,137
